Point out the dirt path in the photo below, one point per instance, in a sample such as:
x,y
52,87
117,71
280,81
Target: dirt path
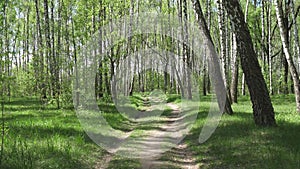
x,y
179,156
158,147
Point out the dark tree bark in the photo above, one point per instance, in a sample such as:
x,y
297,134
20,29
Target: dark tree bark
x,y
270,47
263,110
99,75
206,67
246,18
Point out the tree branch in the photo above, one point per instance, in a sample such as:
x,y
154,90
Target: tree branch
x,y
296,15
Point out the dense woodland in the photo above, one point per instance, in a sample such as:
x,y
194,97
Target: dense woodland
x,y
256,42
40,41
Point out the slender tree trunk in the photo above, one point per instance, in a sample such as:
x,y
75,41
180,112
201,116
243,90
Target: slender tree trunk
x,y
219,83
27,39
285,20
270,47
235,70
99,74
205,73
130,73
223,45
263,57
75,65
48,45
58,53
42,85
55,70
296,36
206,77
261,103
293,71
186,51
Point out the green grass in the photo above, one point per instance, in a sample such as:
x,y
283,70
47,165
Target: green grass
x,y
43,137
37,137
238,143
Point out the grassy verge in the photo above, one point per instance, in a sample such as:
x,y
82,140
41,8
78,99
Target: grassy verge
x,y
238,143
45,138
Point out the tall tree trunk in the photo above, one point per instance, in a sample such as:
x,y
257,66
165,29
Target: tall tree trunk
x,y
235,70
223,39
263,57
42,85
182,69
246,20
75,65
296,36
130,80
292,68
48,46
205,66
285,20
263,110
205,79
54,68
27,39
186,51
219,83
270,47
99,74
223,48
58,53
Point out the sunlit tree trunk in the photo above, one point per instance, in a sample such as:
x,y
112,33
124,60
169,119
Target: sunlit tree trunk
x,y
296,35
234,70
223,46
293,71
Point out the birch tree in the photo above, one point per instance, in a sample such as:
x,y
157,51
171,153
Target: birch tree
x,y
292,68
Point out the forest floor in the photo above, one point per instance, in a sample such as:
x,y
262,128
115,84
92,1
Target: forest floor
x,y
38,136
